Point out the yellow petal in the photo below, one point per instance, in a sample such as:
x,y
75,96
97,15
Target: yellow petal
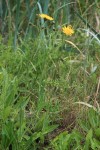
x,y
46,17
68,30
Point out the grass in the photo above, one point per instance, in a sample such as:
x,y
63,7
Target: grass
x,y
49,83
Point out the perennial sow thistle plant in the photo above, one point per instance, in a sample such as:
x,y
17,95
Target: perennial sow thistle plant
x,y
66,30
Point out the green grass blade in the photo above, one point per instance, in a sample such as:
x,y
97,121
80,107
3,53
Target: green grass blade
x,y
88,25
16,22
44,4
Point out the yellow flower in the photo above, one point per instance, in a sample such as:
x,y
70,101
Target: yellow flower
x,y
68,30
45,16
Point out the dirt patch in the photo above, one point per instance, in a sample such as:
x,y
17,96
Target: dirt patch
x,y
67,123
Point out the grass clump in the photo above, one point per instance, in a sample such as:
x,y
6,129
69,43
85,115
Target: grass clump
x,y
39,88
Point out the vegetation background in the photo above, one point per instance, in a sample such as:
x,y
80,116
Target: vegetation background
x,y
49,82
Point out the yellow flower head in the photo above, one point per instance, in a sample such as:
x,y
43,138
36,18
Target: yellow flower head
x,y
45,16
68,30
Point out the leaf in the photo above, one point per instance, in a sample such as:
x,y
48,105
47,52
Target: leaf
x,y
62,141
97,132
84,125
31,140
88,139
6,112
77,136
95,144
50,129
89,135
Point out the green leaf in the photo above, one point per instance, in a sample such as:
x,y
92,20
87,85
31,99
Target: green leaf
x,y
88,139
97,132
50,129
6,112
97,142
89,135
32,138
